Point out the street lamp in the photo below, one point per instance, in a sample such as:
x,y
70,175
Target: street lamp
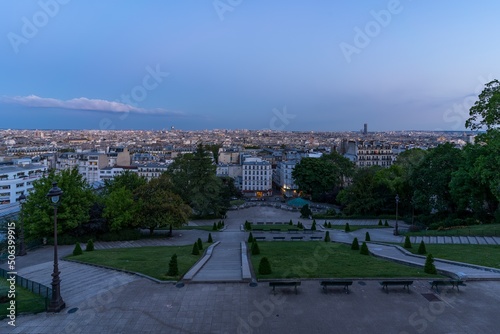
x,y
396,231
22,246
56,303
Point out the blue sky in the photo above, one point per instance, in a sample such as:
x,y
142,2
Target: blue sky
x,y
296,65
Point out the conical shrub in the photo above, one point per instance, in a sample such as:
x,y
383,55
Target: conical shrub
x,y
421,248
255,248
78,249
364,249
90,246
407,242
355,244
200,244
250,238
429,266
210,240
173,268
380,222
327,236
367,237
347,228
264,266
195,251
214,228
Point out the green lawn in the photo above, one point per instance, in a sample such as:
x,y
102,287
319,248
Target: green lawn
x,y
326,260
237,202
356,227
151,261
26,301
283,227
208,228
491,230
483,255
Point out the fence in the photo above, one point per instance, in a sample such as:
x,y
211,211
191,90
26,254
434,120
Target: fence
x,y
36,288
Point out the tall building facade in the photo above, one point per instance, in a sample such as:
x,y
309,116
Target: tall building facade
x,y
256,177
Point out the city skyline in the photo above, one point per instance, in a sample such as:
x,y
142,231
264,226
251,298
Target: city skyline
x,y
321,66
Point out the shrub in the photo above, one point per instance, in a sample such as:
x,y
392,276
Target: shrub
x,y
407,242
210,240
367,237
247,225
429,266
386,223
195,251
364,249
219,225
255,248
250,238
264,266
90,246
313,226
325,225
290,223
200,244
355,244
222,223
421,248
329,225
347,228
78,249
173,268
327,236
214,228
380,222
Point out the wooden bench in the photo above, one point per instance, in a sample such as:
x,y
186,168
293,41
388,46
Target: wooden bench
x,y
259,238
344,283
452,282
293,230
258,229
316,238
296,238
275,230
275,284
278,238
405,283
269,223
308,231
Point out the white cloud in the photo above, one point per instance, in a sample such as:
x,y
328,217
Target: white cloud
x,y
83,103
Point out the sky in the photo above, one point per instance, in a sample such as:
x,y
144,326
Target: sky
x,y
316,65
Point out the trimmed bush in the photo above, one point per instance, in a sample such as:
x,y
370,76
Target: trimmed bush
x,y
364,249
247,225
195,251
421,248
407,242
290,223
329,225
78,249
386,223
327,236
210,240
90,246
250,238
173,268
255,248
367,237
355,244
347,228
380,222
264,266
219,225
222,223
429,266
325,225
313,226
200,244
214,228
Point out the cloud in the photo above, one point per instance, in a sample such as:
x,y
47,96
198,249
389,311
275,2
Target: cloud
x,y
84,103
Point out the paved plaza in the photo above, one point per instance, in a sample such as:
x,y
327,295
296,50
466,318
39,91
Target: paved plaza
x,y
217,300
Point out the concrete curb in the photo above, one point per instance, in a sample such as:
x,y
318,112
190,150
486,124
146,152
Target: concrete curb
x,y
245,267
198,265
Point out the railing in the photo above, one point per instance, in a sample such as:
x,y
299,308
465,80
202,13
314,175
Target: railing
x,y
37,288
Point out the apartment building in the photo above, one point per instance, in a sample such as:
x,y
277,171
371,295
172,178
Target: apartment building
x,y
256,177
374,154
152,170
282,178
18,179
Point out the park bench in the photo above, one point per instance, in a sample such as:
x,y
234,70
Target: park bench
x,y
293,230
258,229
275,284
278,238
452,282
344,283
278,223
297,238
260,223
405,283
275,230
269,223
308,231
316,238
259,238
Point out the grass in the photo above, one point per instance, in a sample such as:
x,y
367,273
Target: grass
x,y
483,255
327,260
151,261
237,202
26,301
201,227
355,227
473,230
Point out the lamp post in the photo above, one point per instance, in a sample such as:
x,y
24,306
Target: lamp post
x,y
396,231
22,246
56,303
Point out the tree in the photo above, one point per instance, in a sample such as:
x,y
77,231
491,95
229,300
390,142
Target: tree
x,y
90,246
429,266
305,211
364,249
128,180
327,236
347,228
264,266
194,179
367,236
158,206
73,210
486,111
120,209
78,249
196,250
421,248
210,240
407,243
255,248
200,244
355,244
313,226
250,238
173,268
